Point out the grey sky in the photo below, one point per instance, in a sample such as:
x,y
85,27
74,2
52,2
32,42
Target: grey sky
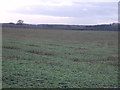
x,y
63,12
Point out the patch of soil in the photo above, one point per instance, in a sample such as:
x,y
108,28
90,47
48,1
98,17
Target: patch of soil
x,y
16,57
80,53
10,47
32,45
81,48
83,60
41,53
110,58
54,45
76,53
68,53
76,59
77,48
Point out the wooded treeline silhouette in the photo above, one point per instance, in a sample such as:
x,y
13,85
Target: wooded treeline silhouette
x,y
102,27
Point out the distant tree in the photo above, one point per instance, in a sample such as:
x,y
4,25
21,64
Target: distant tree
x,y
20,22
11,23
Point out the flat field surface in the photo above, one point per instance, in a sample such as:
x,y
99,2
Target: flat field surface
x,y
39,58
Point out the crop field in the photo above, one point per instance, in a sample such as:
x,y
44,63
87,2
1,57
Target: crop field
x,y
43,58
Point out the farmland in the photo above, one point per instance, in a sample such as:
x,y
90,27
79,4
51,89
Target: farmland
x,y
43,58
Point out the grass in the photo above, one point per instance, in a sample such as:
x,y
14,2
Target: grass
x,y
59,59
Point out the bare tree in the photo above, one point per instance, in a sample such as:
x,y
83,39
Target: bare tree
x,y
20,22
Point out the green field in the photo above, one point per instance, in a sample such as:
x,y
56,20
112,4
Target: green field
x,y
39,58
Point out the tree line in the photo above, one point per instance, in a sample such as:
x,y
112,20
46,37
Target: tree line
x,y
103,27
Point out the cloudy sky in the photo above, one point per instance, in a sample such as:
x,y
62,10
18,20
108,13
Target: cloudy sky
x,y
59,11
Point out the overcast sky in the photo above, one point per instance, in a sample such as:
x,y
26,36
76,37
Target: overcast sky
x,y
59,11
